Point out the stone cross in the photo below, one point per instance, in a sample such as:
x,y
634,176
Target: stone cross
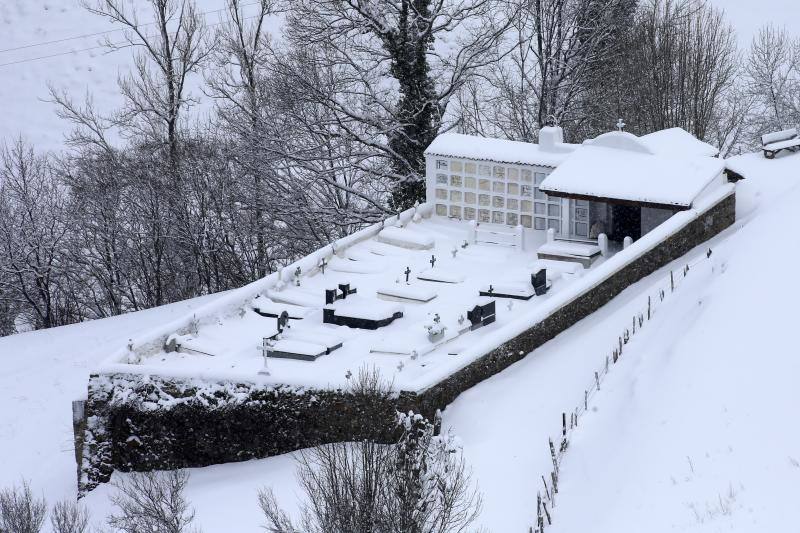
x,y
620,125
322,265
433,261
407,272
266,347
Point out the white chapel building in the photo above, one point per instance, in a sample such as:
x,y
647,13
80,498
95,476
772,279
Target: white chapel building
x,y
617,184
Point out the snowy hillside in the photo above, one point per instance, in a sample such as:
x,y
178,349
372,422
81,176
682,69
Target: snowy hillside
x,y
690,432
56,41
696,432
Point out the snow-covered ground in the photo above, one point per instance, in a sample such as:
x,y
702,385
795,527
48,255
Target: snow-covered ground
x,y
691,431
41,372
697,431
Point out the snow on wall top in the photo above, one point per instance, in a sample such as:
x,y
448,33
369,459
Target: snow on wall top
x,y
677,141
499,150
621,166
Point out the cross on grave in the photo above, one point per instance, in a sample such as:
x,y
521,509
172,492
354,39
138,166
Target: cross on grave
x,y
491,289
297,273
433,261
265,348
407,272
454,251
465,244
620,125
322,265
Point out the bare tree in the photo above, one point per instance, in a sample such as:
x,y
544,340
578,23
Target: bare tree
x,y
395,80
69,517
689,56
156,93
152,501
418,485
773,79
21,511
33,232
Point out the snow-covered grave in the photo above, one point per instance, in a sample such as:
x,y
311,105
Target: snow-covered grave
x,y
407,293
516,291
583,253
406,238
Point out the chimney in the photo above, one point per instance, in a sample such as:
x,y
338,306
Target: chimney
x,y
550,137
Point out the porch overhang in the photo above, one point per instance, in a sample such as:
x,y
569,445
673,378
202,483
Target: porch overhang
x,y
615,201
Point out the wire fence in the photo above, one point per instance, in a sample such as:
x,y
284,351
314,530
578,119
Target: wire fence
x,y
569,420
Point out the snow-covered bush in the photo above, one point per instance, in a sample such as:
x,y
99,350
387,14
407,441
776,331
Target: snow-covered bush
x,y
20,510
151,501
418,485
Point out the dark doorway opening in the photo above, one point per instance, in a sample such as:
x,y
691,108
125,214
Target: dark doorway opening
x,y
626,222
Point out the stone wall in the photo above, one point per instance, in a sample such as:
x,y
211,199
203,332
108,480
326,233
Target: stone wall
x,y
138,422
713,221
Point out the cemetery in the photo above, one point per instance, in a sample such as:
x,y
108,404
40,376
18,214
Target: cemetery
x,y
434,301
405,310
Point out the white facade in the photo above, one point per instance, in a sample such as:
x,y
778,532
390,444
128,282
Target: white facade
x,y
497,182
491,192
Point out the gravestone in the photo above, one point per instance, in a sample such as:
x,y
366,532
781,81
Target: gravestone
x,y
482,314
539,282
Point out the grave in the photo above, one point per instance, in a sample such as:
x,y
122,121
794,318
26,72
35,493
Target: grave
x,y
343,309
579,252
440,275
482,314
268,308
539,282
295,296
296,349
400,292
405,238
385,250
508,290
352,266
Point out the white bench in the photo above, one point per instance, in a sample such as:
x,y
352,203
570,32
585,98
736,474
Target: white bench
x,y
772,143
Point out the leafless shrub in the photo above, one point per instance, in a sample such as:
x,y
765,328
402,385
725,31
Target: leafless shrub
x,y
21,511
69,517
419,485
370,383
152,502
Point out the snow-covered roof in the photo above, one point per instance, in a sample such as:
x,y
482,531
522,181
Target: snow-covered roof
x,y
677,141
621,166
500,150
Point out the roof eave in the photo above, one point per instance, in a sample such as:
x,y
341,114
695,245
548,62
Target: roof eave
x,y
493,160
618,201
